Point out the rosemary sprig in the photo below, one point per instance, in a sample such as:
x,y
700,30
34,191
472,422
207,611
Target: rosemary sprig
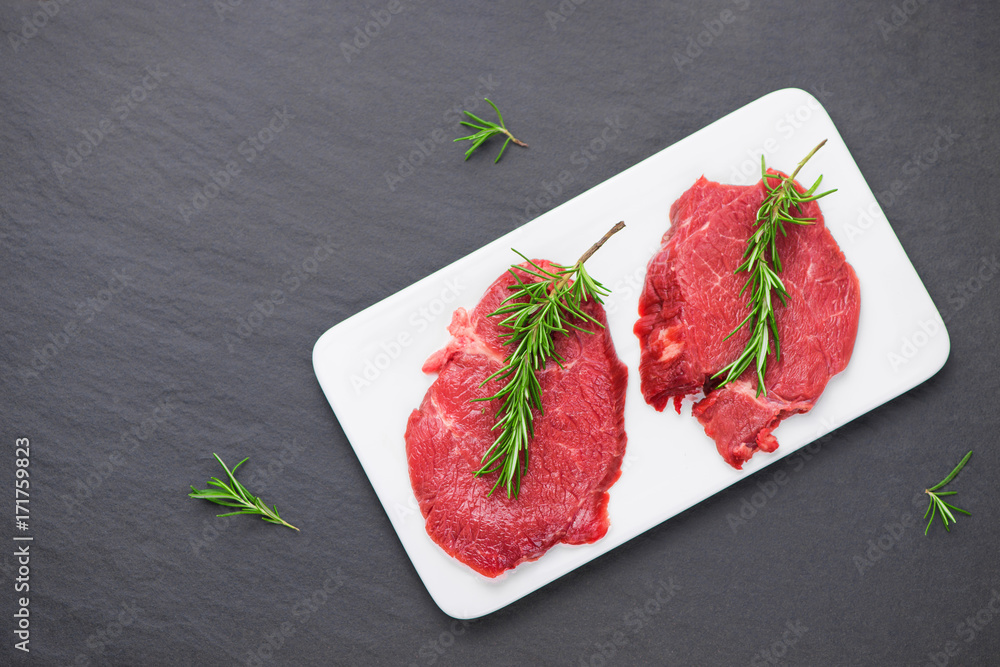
x,y
235,494
533,312
762,263
936,505
486,129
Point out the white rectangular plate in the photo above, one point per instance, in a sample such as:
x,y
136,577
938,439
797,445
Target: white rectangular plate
x,y
369,365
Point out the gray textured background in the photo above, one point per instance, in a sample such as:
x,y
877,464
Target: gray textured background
x,y
123,359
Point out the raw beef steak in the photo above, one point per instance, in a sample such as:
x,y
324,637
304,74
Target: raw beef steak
x,y
573,460
691,302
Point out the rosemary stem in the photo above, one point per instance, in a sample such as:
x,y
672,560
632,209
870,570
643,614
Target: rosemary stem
x,y
594,248
513,138
604,239
806,159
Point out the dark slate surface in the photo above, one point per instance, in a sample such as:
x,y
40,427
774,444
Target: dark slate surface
x,y
124,295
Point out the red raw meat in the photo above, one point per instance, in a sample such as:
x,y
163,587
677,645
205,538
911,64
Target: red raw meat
x,y
691,302
574,458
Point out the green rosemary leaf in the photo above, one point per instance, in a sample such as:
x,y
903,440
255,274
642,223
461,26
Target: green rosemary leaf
x,y
957,509
951,475
502,149
933,510
499,115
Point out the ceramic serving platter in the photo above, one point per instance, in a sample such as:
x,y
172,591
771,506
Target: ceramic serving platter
x,y
369,365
